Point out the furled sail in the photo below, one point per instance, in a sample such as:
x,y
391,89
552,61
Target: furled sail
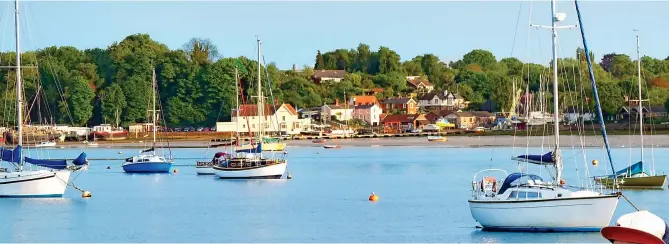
x,y
49,163
546,159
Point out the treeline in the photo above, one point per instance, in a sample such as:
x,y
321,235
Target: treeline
x,y
196,85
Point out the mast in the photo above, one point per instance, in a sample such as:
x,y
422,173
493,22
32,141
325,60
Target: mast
x,y
594,91
638,63
260,98
153,88
19,95
556,118
237,104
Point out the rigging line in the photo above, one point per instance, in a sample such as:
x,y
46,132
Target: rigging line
x,y
269,87
515,33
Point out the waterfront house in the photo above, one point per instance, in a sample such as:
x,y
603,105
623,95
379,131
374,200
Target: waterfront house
x,y
373,91
368,113
284,120
337,111
363,100
399,123
468,120
313,114
321,76
574,114
627,112
436,100
401,105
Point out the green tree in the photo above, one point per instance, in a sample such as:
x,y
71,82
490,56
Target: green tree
x,y
80,100
113,102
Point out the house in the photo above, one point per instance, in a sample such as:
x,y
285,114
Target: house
x,y
468,120
314,114
340,112
404,105
321,76
363,100
436,100
627,112
284,119
439,118
419,84
399,123
574,114
373,91
368,113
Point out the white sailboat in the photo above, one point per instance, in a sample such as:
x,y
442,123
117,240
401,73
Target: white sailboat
x,y
525,202
251,163
30,177
635,176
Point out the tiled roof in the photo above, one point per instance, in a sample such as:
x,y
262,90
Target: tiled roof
x,y
252,110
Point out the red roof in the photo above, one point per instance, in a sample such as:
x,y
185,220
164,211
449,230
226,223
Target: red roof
x,y
365,100
400,118
416,82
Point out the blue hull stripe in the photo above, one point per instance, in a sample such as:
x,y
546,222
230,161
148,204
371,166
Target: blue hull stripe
x,y
147,168
543,229
31,196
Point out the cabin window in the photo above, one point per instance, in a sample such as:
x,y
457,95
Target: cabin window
x,y
524,195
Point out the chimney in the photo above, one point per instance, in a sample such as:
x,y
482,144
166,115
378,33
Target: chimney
x,y
336,101
445,93
276,101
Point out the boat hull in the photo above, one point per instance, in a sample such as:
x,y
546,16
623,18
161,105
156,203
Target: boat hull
x,y
272,171
580,214
110,136
204,170
147,167
275,146
39,183
635,182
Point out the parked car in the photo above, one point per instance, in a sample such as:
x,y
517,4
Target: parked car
x,y
200,128
206,129
177,129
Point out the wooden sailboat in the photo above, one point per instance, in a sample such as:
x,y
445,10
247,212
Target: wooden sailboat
x,y
252,164
635,176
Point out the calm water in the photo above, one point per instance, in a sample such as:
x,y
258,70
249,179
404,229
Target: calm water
x,y
423,198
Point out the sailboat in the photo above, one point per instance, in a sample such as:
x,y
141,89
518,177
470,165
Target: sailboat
x,y
252,164
148,161
525,202
207,167
634,176
31,177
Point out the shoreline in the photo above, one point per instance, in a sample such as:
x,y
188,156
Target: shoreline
x,y
460,141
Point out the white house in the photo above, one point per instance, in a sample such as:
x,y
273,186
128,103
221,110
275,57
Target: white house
x,y
321,76
574,114
283,120
368,113
442,100
339,111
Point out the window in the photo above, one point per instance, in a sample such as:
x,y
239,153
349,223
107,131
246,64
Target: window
x,y
283,118
253,126
524,194
283,126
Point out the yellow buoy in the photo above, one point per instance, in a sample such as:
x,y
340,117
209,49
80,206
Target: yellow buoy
x,y
373,197
595,162
86,194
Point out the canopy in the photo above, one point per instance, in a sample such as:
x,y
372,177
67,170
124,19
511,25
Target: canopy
x,y
12,156
546,159
516,179
258,149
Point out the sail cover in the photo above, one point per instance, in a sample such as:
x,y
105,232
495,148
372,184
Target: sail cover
x,y
629,171
81,160
148,150
258,149
546,159
12,156
54,164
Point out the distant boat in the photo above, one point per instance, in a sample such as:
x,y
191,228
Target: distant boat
x,y
331,146
320,140
46,144
148,161
106,132
436,138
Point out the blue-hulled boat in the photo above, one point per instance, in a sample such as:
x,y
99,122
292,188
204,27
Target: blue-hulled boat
x,y
147,161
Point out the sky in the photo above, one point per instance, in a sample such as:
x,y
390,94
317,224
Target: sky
x,y
292,32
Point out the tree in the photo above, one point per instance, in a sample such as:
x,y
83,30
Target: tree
x,y
320,62
362,57
201,51
113,102
611,97
80,100
483,58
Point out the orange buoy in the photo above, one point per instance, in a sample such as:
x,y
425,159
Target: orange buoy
x,y
175,171
373,197
595,162
562,182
